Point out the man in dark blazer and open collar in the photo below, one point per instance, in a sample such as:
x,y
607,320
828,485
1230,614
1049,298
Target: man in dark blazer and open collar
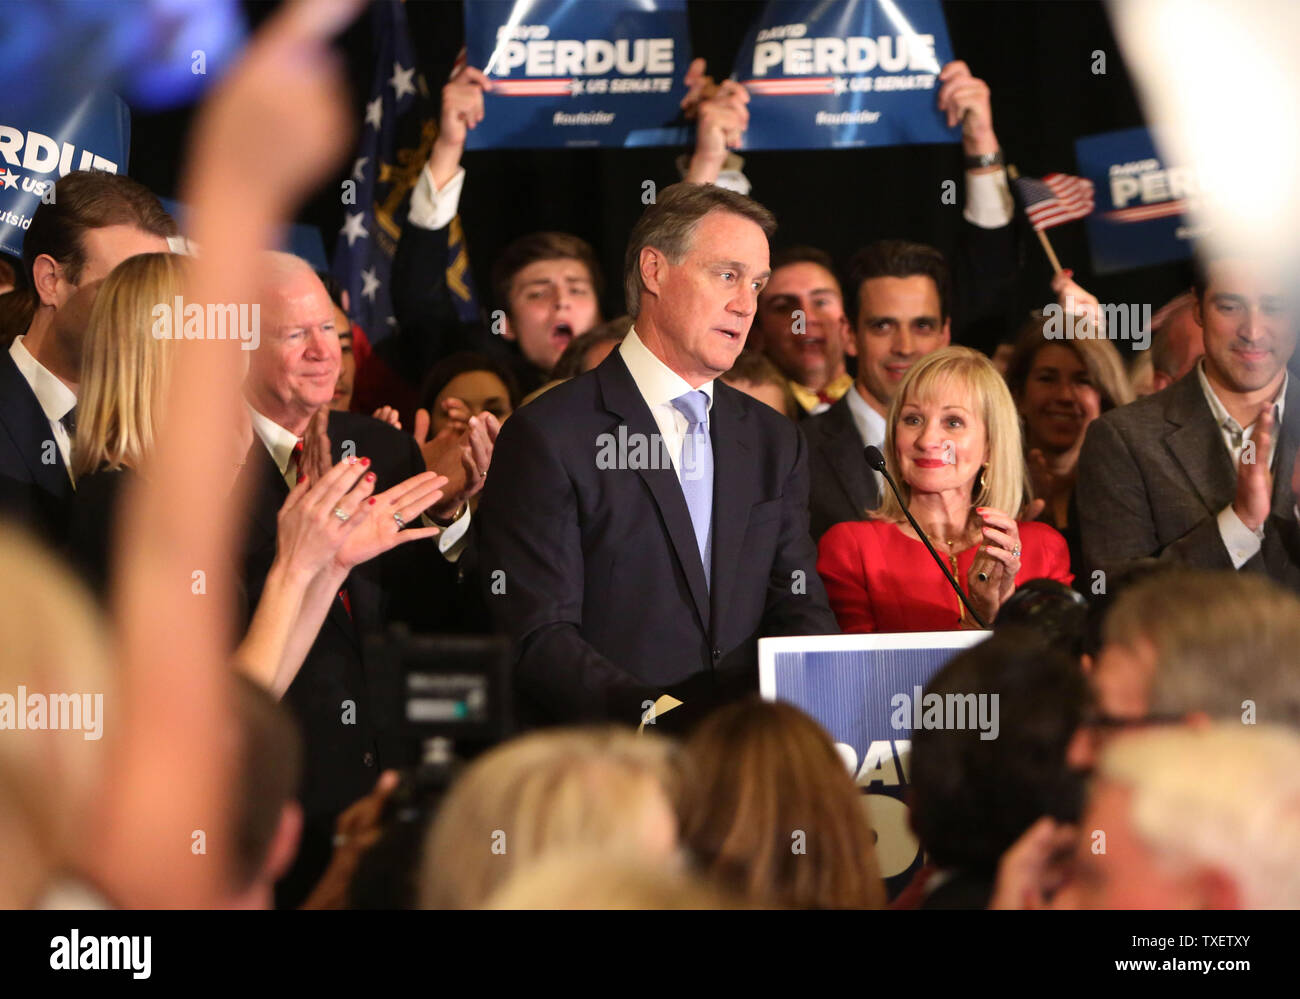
x,y
1201,473
619,570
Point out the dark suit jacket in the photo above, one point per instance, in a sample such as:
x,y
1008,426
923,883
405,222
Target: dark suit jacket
x,y
33,492
1153,476
341,705
843,486
601,584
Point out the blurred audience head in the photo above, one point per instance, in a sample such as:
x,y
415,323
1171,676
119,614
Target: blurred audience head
x,y
761,779
295,369
1062,385
1248,323
952,424
124,367
55,673
1176,341
586,880
801,319
482,383
1187,642
8,276
549,286
1193,818
977,788
95,221
267,816
898,294
559,790
1056,612
759,378
589,349
696,262
347,359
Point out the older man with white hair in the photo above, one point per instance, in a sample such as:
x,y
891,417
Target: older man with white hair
x,y
335,695
1186,817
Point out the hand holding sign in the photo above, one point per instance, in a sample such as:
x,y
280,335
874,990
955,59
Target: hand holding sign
x,y
965,99
462,110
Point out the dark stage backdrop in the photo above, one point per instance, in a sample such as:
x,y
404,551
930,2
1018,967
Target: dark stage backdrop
x,y
1036,55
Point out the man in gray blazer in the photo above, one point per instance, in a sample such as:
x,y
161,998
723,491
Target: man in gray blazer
x,y
1202,472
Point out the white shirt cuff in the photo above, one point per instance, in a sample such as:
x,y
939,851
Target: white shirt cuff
x,y
988,200
431,208
451,542
1242,543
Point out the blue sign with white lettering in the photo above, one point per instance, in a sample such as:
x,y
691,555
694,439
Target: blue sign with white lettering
x,y
93,133
858,73
1142,202
865,690
577,72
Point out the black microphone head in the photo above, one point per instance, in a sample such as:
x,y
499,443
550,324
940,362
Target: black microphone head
x,y
874,458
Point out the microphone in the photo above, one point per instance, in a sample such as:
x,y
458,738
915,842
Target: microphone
x,y
877,461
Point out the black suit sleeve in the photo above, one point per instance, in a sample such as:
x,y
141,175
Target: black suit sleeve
x,y
796,598
533,576
985,276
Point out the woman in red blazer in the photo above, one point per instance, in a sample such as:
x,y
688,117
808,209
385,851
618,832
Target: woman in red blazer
x,y
952,442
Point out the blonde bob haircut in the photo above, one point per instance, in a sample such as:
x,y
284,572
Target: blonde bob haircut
x,y
952,372
124,367
598,791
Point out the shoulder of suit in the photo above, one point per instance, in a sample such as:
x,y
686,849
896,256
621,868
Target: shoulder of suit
x,y
1147,413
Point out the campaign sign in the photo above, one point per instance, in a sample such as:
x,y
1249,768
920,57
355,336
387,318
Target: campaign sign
x,y
577,72
92,133
1142,202
858,73
858,687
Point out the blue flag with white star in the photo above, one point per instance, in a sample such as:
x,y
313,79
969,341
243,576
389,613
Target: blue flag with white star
x,y
400,124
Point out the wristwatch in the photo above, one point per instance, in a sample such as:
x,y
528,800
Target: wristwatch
x,y
984,160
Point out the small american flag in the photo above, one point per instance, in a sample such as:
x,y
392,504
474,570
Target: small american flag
x,y
1054,200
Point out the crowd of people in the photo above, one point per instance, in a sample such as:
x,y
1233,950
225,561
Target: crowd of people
x,y
211,540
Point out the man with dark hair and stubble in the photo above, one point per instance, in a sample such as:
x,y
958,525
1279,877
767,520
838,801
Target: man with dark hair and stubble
x,y
1202,473
94,222
645,523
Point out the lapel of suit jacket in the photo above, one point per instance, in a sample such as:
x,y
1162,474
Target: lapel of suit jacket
x,y
736,488
623,399
25,422
1197,444
845,450
1288,439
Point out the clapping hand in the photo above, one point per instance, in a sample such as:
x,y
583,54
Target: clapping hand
x,y
997,562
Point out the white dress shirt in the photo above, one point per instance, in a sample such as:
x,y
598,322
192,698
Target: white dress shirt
x,y
1242,543
659,385
55,398
431,208
280,443
989,204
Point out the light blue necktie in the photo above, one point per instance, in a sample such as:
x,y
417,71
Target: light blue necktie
x,y
696,467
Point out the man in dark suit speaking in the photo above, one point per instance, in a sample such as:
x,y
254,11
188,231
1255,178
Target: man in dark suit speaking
x,y
644,525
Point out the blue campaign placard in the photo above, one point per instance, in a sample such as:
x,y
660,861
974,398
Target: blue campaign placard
x,y
842,75
849,683
1142,202
52,139
569,73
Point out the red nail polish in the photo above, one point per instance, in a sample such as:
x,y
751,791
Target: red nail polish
x,y
302,478
365,461
372,501
370,476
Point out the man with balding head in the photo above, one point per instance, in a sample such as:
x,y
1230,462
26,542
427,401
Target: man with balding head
x,y
335,695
